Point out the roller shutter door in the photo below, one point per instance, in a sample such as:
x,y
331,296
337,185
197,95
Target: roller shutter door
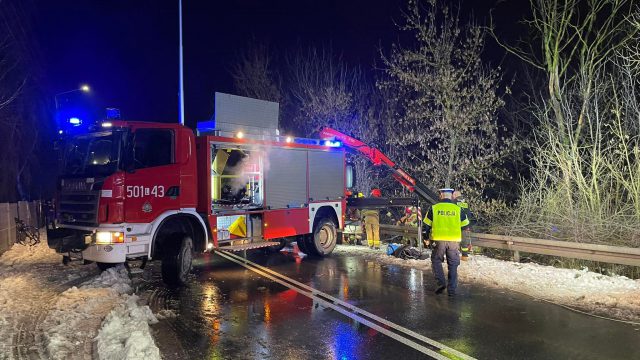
x,y
286,178
326,175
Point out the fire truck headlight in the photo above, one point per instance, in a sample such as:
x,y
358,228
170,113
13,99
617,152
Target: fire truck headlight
x,y
109,237
240,135
209,246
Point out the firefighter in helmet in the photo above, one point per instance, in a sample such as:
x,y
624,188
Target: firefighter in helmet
x,y
465,244
445,221
371,220
410,218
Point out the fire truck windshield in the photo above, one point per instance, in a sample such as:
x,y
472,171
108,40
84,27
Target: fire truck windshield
x,y
95,154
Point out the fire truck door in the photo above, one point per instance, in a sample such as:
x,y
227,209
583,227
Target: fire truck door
x,y
152,184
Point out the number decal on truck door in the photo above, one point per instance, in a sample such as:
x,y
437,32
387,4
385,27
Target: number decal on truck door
x,y
142,191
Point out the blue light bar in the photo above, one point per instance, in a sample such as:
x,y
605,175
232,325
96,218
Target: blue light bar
x,y
75,121
332,143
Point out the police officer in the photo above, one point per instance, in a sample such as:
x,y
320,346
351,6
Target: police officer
x,y
465,244
445,220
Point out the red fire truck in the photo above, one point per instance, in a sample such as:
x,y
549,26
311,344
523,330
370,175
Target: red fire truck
x,y
155,191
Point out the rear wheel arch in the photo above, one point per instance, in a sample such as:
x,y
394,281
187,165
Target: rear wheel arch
x,y
326,212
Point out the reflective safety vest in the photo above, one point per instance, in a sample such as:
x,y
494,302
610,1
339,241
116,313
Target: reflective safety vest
x,y
446,224
465,209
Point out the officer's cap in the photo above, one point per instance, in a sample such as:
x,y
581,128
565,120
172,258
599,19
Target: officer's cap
x,y
446,190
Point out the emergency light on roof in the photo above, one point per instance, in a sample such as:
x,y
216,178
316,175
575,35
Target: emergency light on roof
x,y
75,121
106,124
332,143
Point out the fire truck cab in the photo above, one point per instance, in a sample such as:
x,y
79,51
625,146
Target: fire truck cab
x,y
156,191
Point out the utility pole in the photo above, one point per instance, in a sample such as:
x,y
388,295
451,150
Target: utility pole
x,y
181,95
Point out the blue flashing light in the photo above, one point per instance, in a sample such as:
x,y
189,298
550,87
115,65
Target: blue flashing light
x,y
204,127
303,141
332,143
75,121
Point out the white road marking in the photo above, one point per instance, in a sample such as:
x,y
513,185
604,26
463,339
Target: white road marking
x,y
366,318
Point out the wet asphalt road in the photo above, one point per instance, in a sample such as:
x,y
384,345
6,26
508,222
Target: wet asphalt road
x,y
228,312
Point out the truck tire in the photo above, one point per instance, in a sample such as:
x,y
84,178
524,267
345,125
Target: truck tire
x,y
104,266
176,263
324,238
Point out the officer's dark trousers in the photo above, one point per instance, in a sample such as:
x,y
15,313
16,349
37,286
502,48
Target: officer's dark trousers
x,y
450,250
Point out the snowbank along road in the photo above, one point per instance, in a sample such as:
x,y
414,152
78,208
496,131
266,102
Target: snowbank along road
x,y
616,297
52,311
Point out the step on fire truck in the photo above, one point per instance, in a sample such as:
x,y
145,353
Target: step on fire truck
x,y
155,191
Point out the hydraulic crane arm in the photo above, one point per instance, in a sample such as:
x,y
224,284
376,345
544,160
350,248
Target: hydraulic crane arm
x,y
380,159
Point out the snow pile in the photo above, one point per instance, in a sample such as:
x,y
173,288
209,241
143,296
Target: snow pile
x,y
614,296
125,333
74,320
166,314
43,315
30,279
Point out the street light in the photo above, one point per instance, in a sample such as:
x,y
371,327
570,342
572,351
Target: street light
x,y
83,88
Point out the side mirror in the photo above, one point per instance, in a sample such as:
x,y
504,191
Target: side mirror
x,y
350,177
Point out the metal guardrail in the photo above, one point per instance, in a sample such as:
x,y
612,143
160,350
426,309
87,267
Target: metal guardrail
x,y
601,253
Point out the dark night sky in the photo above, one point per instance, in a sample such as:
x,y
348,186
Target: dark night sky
x,y
127,50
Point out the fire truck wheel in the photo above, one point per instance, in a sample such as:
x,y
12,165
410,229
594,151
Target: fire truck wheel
x,y
104,266
324,238
176,263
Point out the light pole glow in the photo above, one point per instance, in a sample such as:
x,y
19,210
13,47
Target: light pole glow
x,y
181,95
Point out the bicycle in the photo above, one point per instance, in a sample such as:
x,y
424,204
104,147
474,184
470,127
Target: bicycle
x,y
26,234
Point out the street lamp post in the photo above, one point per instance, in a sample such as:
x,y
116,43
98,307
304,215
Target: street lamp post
x,y
181,66
83,88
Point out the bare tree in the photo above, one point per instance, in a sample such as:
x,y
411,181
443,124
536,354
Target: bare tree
x,y
325,91
254,76
575,38
585,168
447,100
24,110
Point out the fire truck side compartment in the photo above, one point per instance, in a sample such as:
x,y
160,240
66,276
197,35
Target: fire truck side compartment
x,y
326,175
285,178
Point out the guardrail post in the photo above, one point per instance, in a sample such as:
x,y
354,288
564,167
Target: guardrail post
x,y
418,215
516,256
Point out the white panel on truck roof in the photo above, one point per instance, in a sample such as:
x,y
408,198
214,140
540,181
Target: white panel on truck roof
x,y
238,113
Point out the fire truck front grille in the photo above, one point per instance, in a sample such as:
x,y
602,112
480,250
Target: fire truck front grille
x,y
79,208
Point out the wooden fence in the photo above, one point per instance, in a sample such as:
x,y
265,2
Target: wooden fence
x,y
567,249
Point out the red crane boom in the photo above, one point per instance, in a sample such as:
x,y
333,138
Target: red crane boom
x,y
380,159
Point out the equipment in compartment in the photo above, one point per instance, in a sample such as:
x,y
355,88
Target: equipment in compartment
x,y
239,227
236,175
